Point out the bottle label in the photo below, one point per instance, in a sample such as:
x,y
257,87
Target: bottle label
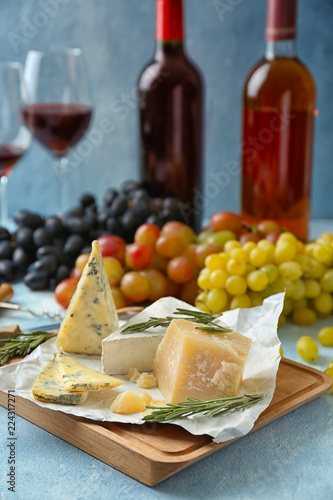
x,y
169,20
281,20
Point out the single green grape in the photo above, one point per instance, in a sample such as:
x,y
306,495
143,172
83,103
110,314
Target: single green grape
x,y
204,279
284,251
258,257
215,261
304,317
323,253
218,278
312,288
307,348
236,267
216,300
221,237
324,303
312,268
325,336
231,245
236,285
240,302
271,271
326,281
257,281
288,237
290,270
297,289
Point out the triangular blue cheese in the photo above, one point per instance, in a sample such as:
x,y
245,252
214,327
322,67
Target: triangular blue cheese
x,y
91,315
49,387
78,378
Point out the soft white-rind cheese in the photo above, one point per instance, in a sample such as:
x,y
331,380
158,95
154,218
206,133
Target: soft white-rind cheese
x,y
91,315
123,351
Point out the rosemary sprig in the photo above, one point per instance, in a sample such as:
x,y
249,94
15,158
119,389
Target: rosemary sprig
x,y
195,316
192,406
22,345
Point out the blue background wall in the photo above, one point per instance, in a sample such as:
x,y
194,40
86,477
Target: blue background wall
x,y
117,37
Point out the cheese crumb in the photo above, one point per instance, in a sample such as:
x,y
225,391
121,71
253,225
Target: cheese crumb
x,y
128,402
133,374
146,381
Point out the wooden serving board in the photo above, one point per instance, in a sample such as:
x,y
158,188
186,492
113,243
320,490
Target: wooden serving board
x,y
164,449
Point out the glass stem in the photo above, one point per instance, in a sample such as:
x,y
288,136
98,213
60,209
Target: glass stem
x,y
3,197
61,170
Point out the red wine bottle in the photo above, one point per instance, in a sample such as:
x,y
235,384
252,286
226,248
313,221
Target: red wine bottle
x,y
278,119
171,114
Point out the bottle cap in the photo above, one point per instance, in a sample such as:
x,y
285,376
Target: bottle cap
x,y
281,20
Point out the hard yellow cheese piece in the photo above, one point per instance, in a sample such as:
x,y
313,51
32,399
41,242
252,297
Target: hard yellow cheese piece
x,y
146,381
91,315
128,402
154,402
50,388
190,363
78,378
133,374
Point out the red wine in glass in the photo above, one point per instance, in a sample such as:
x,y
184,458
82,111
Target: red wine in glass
x,y
9,156
58,126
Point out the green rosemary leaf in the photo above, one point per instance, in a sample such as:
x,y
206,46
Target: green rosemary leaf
x,y
213,329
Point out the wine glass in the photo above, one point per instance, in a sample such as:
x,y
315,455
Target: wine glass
x,y
15,138
60,109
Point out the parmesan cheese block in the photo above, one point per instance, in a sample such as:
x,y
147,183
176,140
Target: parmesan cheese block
x,y
91,315
190,363
78,378
49,387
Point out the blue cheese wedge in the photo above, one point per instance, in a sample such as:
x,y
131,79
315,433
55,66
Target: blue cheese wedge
x,y
121,351
49,387
77,378
91,315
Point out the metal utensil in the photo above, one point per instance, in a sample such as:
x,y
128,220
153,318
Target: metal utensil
x,y
45,312
58,314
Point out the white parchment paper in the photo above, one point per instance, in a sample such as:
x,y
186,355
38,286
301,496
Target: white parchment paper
x,y
257,323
